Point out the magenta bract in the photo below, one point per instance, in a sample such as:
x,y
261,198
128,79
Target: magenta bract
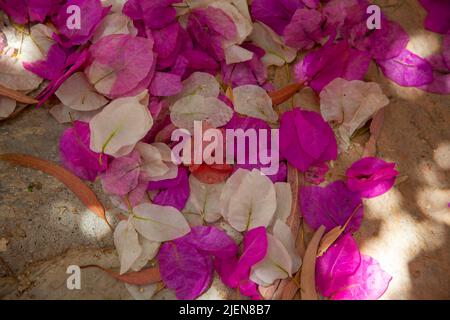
x,y
76,155
371,177
331,206
306,139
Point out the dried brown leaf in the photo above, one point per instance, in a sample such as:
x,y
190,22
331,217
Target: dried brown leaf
x,y
330,237
143,277
307,279
282,95
16,95
75,184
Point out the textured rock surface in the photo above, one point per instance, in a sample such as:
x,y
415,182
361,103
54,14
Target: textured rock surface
x,y
44,228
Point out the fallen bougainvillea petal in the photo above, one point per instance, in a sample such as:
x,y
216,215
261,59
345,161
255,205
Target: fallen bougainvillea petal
x,y
212,241
91,14
121,65
330,206
175,196
332,61
407,69
438,18
371,177
184,269
122,174
76,155
306,139
369,282
340,261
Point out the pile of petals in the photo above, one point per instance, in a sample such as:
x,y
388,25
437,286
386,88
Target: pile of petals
x,y
134,71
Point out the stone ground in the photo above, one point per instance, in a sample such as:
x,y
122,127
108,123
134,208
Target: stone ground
x,y
44,228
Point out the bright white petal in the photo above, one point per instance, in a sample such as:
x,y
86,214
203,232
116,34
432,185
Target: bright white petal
x,y
127,245
253,203
284,200
159,223
276,265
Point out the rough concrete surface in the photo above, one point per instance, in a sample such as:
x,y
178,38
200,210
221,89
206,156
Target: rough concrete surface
x,y
44,228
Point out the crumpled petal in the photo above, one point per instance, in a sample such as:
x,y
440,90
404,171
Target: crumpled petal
x,y
234,271
371,177
209,27
332,61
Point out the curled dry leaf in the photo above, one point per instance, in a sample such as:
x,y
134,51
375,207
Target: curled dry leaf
x,y
16,95
307,280
143,277
253,101
75,184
